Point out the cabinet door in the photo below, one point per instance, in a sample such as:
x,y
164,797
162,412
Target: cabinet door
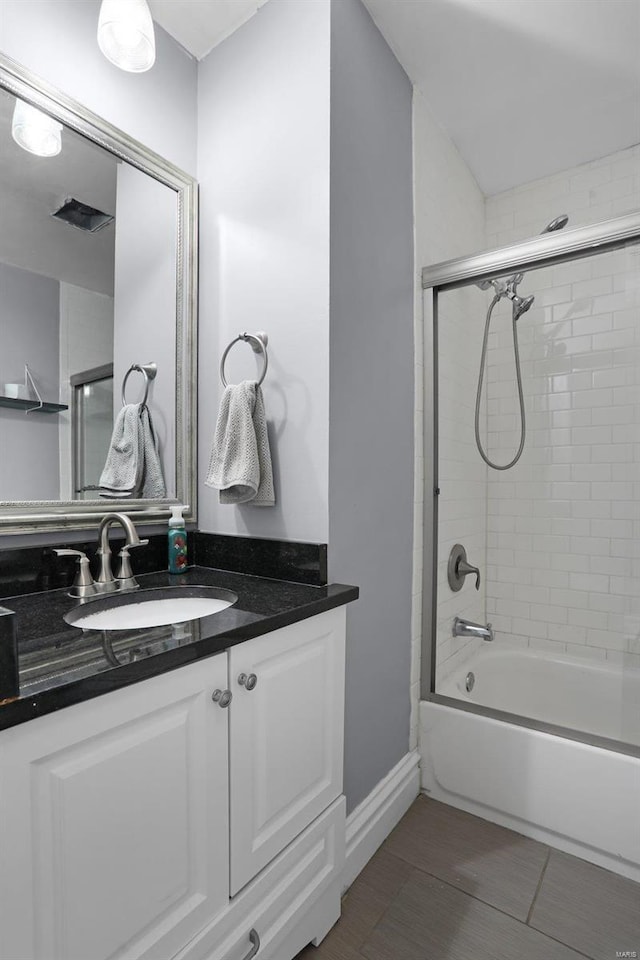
x,y
114,822
286,737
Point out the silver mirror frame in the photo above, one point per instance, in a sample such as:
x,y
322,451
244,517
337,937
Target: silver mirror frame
x,y
34,516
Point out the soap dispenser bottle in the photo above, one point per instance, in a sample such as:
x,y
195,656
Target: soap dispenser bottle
x,y
177,541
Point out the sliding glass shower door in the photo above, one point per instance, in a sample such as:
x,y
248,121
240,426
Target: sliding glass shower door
x,y
549,626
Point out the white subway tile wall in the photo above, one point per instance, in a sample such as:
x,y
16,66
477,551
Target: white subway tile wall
x,y
607,187
563,526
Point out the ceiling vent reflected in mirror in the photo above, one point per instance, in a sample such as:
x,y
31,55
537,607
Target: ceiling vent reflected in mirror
x,y
82,216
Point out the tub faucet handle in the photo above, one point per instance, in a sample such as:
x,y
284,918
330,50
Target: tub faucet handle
x,y
466,568
459,567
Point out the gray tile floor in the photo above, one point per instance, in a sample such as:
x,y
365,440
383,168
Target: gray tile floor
x,y
449,886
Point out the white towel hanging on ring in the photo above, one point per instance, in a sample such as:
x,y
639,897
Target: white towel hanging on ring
x,y
240,463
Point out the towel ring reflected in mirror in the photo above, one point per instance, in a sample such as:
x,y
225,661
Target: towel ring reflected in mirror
x,y
258,343
148,371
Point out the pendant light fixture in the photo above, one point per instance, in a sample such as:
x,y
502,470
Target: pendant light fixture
x,y
126,36
35,131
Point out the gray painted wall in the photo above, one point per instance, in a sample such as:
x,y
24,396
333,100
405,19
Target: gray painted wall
x,y
263,167
29,333
371,387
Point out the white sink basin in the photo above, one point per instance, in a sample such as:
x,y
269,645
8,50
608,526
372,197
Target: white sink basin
x,y
150,608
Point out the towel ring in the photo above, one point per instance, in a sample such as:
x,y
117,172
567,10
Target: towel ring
x,y
148,371
258,343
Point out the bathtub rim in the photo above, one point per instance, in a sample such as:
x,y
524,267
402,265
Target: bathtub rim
x,y
554,729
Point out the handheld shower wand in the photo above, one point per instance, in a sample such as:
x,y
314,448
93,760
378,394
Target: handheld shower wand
x,y
508,288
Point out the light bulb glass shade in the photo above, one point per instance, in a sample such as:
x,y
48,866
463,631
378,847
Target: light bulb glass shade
x,y
35,131
125,34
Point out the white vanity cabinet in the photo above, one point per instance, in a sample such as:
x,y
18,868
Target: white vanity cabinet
x,y
286,738
114,821
153,822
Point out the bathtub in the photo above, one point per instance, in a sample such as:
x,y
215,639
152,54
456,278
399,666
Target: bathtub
x,y
581,797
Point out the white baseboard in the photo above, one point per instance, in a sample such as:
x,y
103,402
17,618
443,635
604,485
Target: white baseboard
x,y
373,820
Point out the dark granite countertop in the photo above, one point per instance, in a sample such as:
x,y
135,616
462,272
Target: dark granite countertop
x,y
61,665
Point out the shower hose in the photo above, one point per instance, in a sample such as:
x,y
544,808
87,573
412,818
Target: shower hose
x,y
483,363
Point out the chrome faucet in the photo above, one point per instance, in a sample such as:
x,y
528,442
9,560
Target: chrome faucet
x,y
84,586
124,580
466,628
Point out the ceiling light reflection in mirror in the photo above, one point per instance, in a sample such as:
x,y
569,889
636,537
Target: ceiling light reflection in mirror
x,y
35,132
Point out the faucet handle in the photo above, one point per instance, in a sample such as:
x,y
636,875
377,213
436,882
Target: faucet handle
x,y
465,568
458,568
124,577
83,585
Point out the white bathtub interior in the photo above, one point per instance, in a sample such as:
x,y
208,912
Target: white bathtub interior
x,y
597,697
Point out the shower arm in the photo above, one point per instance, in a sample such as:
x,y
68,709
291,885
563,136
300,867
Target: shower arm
x,y
503,287
508,287
500,286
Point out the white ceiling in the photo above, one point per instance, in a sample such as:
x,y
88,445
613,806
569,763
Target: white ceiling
x,y
524,88
199,25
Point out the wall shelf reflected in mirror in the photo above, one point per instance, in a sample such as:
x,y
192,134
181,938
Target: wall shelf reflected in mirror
x,y
32,405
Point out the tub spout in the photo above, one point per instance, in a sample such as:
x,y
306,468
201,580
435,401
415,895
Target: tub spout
x,y
466,628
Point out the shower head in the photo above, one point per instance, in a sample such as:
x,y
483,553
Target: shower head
x,y
521,306
557,224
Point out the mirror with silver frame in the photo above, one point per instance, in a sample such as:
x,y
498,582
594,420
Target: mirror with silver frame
x,y
98,310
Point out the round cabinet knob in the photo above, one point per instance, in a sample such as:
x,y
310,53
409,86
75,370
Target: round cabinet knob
x,y
248,681
222,697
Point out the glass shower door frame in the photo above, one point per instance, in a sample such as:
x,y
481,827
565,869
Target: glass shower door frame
x,y
78,381
545,250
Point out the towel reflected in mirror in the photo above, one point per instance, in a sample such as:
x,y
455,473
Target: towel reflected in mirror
x,y
133,469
